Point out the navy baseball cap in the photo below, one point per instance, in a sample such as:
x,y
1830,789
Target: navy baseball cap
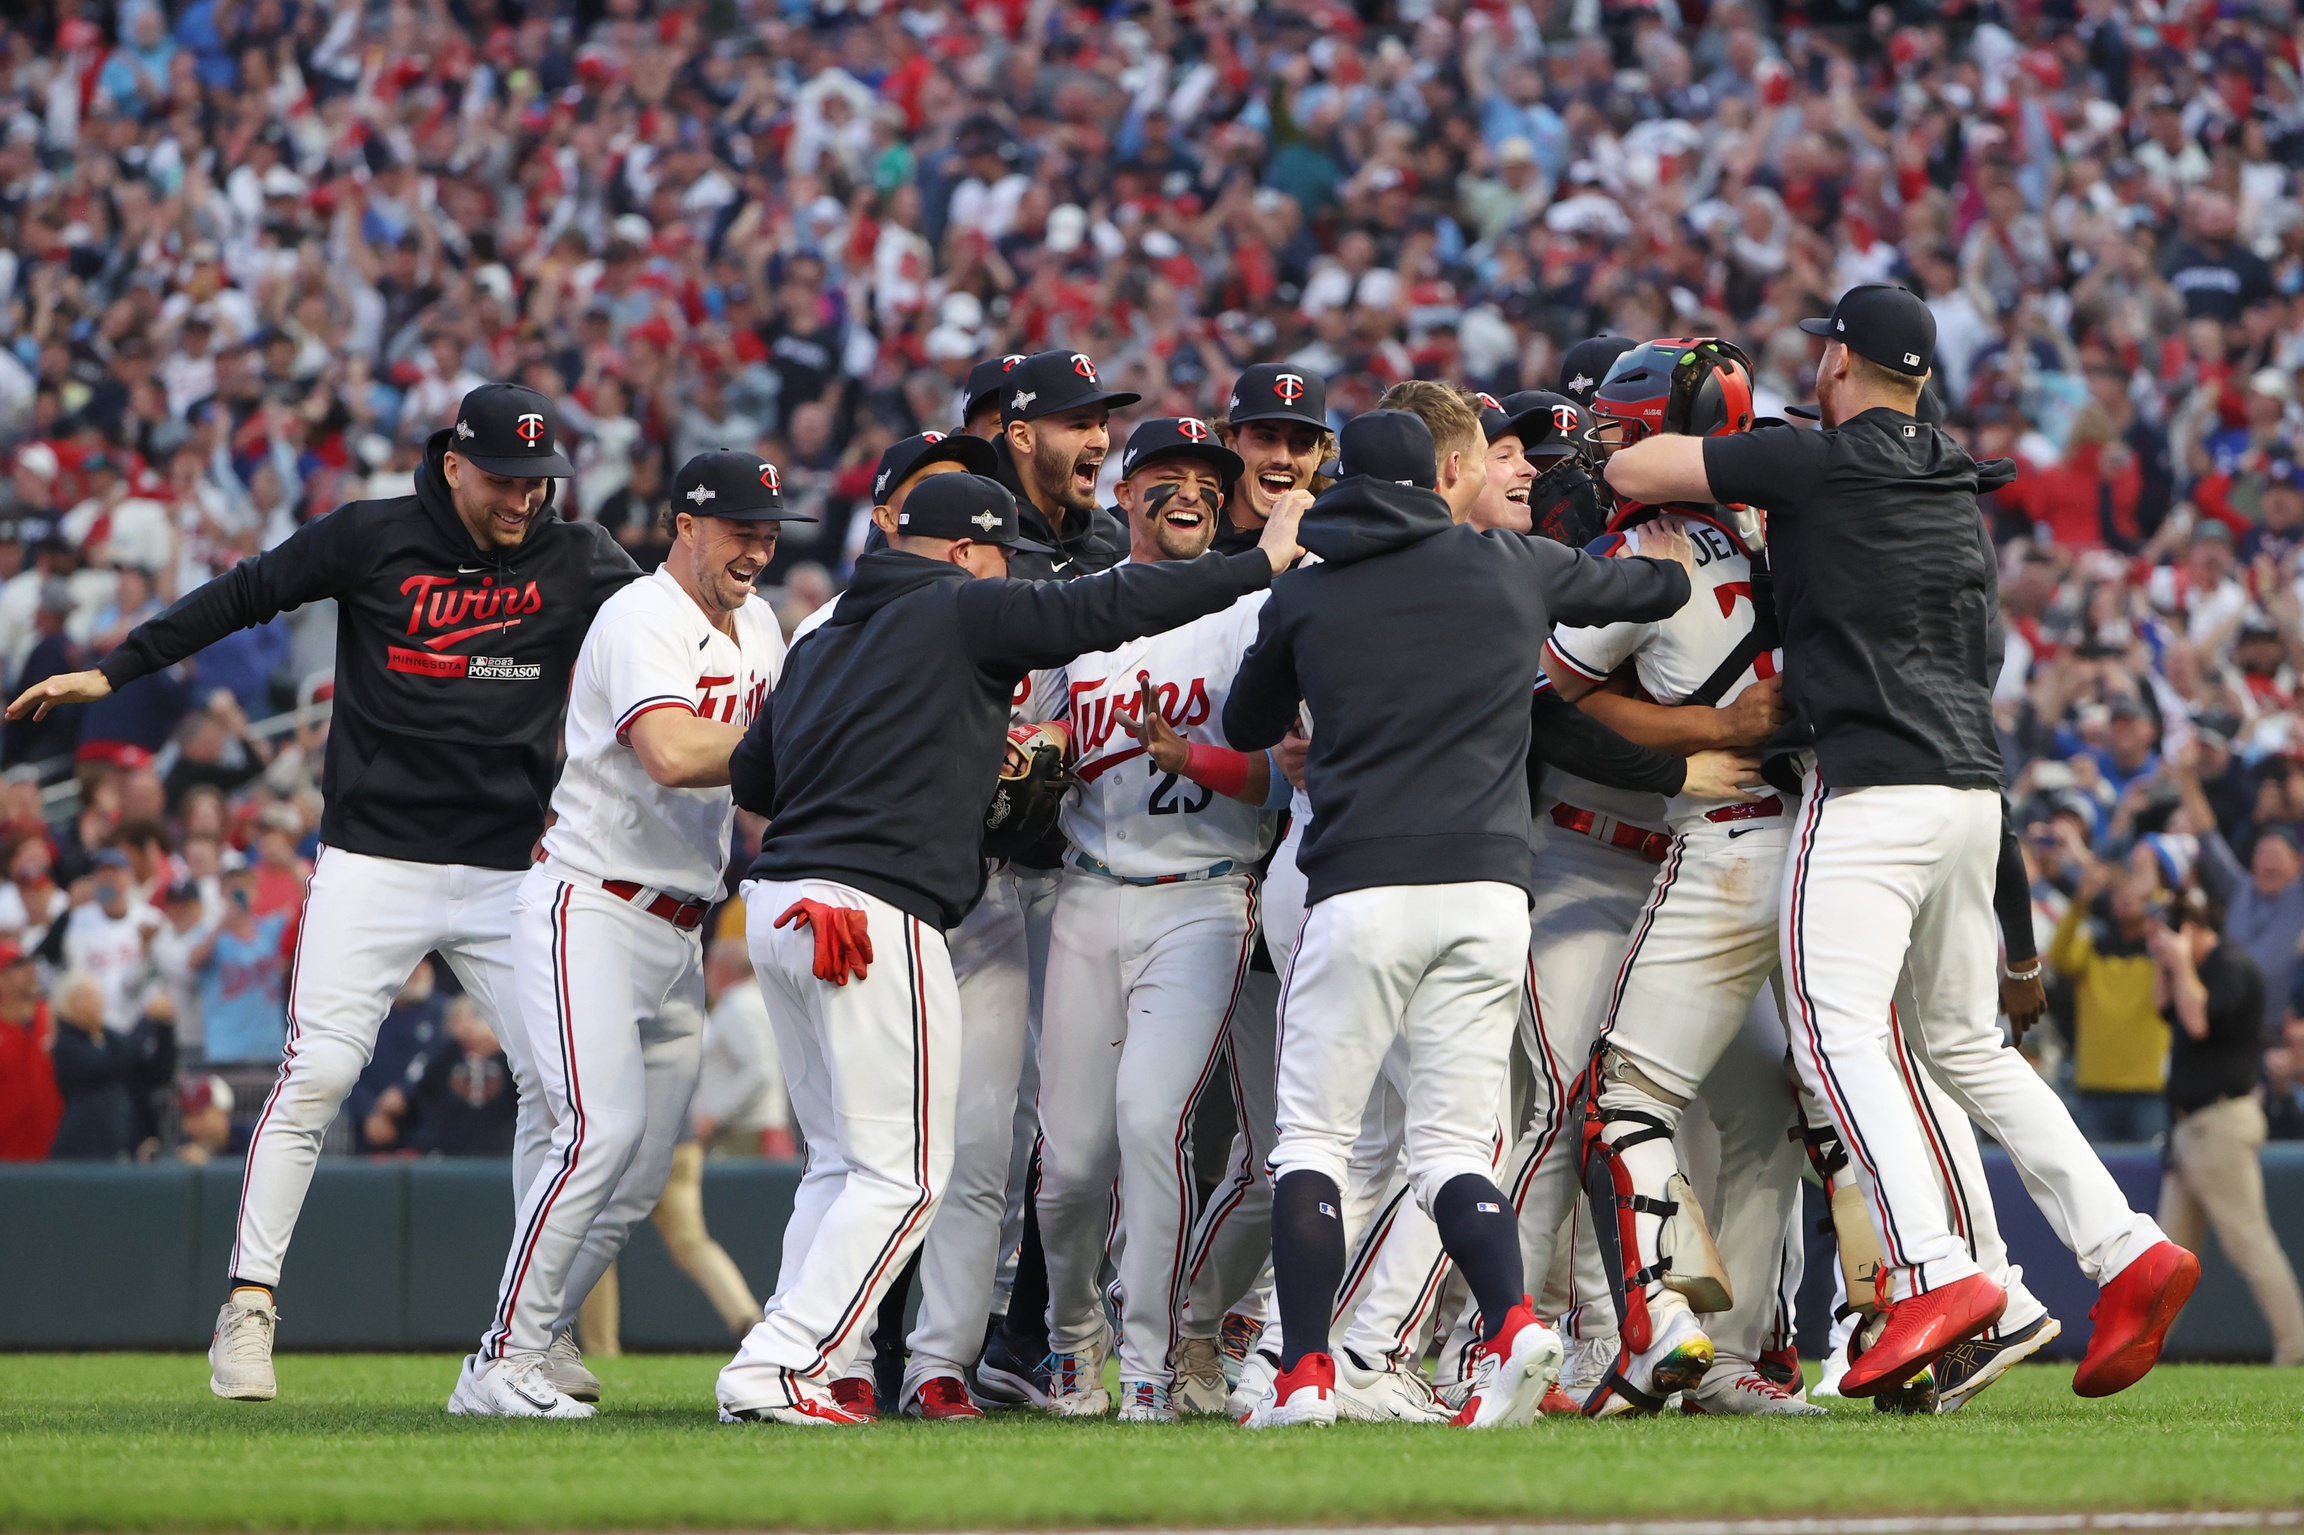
x,y
510,429
985,379
960,506
1882,323
1179,437
1586,365
1279,391
1499,418
900,460
1050,383
1391,445
742,487
1560,431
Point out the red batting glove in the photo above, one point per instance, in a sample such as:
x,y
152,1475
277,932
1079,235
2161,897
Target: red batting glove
x,y
843,938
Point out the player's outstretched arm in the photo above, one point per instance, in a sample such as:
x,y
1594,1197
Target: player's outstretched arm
x,y
1581,590
1265,698
752,765
63,688
684,751
1660,469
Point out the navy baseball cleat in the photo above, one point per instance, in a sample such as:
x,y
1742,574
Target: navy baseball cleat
x,y
1003,1380
1967,1368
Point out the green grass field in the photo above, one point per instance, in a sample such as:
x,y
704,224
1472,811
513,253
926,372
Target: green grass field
x,y
360,1442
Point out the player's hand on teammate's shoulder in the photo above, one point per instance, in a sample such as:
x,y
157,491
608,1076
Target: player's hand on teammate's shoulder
x,y
1664,541
1722,775
1162,744
1757,713
63,688
1279,539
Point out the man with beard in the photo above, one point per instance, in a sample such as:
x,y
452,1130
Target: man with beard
x,y
1055,428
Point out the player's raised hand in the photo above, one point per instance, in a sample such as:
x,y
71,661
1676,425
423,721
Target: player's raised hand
x,y
1279,540
1162,744
1722,775
63,688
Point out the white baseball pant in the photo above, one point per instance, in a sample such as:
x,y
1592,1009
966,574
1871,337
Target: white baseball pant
x,y
1893,878
1440,965
963,1253
608,1008
366,923
1142,981
872,1070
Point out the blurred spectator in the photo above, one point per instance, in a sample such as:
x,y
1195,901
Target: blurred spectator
x,y
2120,1044
455,1099
2215,1177
184,930
206,1127
411,1027
214,748
106,939
242,964
109,1077
30,1104
2263,905
740,1108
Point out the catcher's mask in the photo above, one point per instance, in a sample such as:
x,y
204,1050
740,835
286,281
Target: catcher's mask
x,y
1697,387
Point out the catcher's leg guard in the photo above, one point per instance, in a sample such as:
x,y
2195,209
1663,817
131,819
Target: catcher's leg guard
x,y
1630,1172
1852,1229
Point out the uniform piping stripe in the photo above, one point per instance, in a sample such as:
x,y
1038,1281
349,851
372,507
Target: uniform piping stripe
x,y
1371,1243
1225,1202
649,705
1908,1066
287,1054
501,1333
1552,648
1280,1021
1556,1093
1656,894
1891,1240
1179,1249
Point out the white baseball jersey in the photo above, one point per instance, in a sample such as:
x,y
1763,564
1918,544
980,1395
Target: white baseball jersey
x,y
1674,657
651,647
1128,815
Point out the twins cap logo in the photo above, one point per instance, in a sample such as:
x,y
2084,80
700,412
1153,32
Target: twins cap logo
x,y
1564,418
464,429
1009,362
1023,398
1082,366
931,436
1488,401
771,479
702,494
986,520
1289,386
529,429
1192,429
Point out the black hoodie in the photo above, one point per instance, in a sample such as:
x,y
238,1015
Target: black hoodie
x,y
452,664
1091,541
1415,648
879,749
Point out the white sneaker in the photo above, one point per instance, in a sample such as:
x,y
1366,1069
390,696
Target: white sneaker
x,y
1200,1386
240,1355
1835,1365
1388,1395
1587,1363
1257,1372
1076,1386
1145,1401
1675,1361
512,1386
812,1406
564,1368
1511,1373
1304,1397
1734,1389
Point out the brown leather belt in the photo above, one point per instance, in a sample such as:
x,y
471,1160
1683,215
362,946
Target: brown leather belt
x,y
681,914
1636,840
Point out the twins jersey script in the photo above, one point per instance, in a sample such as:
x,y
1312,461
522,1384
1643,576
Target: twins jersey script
x,y
1136,820
653,648
1706,653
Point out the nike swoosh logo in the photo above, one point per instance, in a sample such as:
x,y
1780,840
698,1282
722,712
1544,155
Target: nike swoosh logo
x,y
470,570
1739,831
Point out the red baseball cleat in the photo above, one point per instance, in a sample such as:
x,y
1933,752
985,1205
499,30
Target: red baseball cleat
x,y
1920,1329
2132,1316
942,1396
1557,1401
855,1397
1306,1394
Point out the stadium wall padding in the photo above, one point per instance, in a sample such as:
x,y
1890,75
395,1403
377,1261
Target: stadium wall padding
x,y
405,1255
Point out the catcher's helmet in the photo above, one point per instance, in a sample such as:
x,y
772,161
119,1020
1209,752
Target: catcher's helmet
x,y
1697,387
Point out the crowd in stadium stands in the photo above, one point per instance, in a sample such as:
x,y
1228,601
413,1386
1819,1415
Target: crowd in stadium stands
x,y
252,252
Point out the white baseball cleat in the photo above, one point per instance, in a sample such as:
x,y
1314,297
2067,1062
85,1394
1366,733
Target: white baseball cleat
x,y
564,1368
1256,1375
1511,1373
1676,1360
1304,1396
1145,1401
513,1385
1586,1364
1390,1395
1200,1386
1833,1365
240,1354
1734,1389
1076,1386
812,1406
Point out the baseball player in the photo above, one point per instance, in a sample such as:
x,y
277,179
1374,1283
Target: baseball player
x,y
1885,590
461,608
874,763
606,931
1149,947
1417,867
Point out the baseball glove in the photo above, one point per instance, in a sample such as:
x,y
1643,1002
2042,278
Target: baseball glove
x,y
1033,783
